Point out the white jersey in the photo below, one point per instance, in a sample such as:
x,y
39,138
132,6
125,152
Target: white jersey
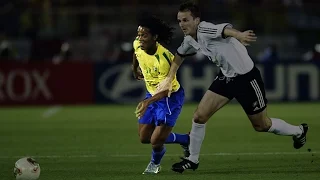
x,y
227,53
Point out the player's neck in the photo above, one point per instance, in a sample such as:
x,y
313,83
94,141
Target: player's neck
x,y
194,36
152,50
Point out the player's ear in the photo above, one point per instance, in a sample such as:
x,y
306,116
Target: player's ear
x,y
197,19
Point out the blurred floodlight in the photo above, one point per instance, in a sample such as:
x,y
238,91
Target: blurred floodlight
x,y
126,46
317,48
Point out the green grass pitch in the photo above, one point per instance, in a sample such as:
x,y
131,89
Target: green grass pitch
x,y
101,143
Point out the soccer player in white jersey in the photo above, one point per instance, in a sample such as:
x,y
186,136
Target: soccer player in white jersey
x,y
238,78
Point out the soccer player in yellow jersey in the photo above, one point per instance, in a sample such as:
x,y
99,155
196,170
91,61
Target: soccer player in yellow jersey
x,y
158,113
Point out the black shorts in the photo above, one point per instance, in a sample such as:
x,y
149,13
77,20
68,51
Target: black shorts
x,y
247,89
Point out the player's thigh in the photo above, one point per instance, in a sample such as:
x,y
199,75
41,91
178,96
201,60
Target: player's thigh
x,y
160,134
165,121
250,92
215,98
145,132
146,125
168,109
210,103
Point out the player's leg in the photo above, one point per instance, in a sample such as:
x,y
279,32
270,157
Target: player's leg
x,y
165,112
146,126
210,103
158,139
145,132
215,98
147,121
172,112
262,123
146,129
176,138
182,139
252,97
172,109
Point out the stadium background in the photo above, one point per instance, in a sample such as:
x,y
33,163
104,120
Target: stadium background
x,y
67,94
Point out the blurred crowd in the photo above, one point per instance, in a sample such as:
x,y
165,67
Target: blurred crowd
x,y
103,31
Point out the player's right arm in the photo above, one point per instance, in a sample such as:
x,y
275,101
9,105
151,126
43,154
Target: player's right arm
x,y
135,68
176,63
183,51
166,84
135,63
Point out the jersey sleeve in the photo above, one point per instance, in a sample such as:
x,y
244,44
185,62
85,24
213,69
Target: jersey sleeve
x,y
185,48
170,55
212,30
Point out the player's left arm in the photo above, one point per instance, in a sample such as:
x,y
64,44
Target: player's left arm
x,y
224,30
245,37
142,106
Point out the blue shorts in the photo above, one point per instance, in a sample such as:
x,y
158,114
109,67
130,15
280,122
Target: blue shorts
x,y
165,111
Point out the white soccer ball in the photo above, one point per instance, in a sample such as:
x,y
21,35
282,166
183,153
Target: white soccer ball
x,y
26,169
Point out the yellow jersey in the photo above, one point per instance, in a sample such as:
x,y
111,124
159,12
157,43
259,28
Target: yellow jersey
x,y
155,67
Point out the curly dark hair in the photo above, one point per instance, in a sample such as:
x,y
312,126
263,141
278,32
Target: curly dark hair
x,y
156,27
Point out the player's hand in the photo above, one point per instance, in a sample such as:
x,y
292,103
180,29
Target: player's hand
x,y
164,85
141,108
137,74
247,37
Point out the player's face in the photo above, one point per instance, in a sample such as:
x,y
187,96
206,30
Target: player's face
x,y
146,39
188,23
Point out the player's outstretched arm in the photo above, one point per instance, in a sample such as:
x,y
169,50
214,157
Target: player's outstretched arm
x,y
176,63
166,84
142,106
245,37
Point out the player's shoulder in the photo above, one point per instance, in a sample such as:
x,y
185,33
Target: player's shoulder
x,y
136,44
205,24
163,48
165,51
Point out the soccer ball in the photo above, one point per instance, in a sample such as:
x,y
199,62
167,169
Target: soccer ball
x,y
26,169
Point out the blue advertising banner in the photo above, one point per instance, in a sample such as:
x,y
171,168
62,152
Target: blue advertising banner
x,y
283,81
115,84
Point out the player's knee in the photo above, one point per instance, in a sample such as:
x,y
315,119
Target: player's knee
x,y
259,128
264,126
199,118
144,140
157,142
156,145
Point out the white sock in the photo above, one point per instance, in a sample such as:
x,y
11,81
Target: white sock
x,y
280,127
196,137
